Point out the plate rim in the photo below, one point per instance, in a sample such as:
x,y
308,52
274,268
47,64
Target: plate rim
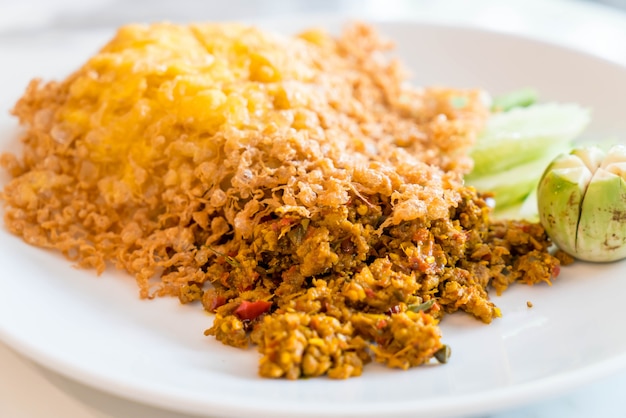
x,y
500,398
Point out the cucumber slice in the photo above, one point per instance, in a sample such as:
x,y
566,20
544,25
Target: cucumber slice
x,y
517,98
526,210
512,186
523,133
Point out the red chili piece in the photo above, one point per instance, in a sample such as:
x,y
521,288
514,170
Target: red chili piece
x,y
216,302
251,310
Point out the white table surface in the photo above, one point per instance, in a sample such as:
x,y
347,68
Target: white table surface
x,y
28,391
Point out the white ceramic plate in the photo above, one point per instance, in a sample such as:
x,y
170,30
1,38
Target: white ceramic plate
x,y
97,331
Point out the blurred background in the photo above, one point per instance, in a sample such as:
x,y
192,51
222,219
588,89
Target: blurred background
x,y
540,18
29,14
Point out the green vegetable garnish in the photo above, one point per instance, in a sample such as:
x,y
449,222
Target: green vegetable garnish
x,y
443,354
515,146
512,186
458,102
424,306
518,98
582,203
524,134
230,260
